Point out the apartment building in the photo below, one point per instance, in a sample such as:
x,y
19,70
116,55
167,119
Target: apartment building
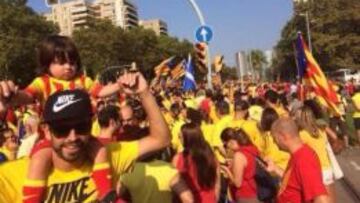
x,y
157,25
74,14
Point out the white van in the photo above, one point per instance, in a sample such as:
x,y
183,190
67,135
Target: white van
x,y
344,75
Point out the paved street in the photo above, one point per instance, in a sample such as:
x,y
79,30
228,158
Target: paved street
x,y
348,189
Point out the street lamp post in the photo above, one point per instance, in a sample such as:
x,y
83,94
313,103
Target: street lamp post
x,y
307,18
308,30
202,22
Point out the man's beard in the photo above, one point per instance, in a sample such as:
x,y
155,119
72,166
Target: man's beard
x,y
75,156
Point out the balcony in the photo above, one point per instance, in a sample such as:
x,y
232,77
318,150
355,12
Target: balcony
x,y
78,9
132,16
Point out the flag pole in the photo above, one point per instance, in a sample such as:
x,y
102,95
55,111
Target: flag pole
x,y
298,77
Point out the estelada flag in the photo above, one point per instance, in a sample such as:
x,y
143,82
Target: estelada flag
x,y
178,71
164,67
312,75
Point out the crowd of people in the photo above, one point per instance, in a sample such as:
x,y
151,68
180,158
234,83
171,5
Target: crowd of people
x,y
66,138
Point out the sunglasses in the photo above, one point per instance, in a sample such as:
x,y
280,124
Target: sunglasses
x,y
126,121
63,130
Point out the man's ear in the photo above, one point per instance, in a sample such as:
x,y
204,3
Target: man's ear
x,y
284,136
46,130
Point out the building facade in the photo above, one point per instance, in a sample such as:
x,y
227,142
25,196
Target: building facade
x,y
74,14
157,25
242,64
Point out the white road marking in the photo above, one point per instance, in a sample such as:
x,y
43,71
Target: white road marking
x,y
355,165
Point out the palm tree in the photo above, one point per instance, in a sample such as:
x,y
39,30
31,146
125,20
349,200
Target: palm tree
x,y
258,60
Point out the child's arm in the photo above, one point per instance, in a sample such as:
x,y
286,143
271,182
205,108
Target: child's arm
x,y
38,171
10,95
108,90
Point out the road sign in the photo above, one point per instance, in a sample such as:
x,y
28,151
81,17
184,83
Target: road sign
x,y
204,34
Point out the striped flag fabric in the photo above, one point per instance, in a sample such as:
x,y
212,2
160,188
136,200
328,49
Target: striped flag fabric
x,y
189,79
312,75
164,67
178,71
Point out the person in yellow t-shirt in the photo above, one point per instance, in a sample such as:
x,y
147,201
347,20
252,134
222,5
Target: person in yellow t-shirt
x,y
316,138
178,114
273,101
161,181
270,149
223,113
356,101
71,179
249,126
8,144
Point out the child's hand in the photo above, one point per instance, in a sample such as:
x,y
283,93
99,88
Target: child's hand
x,y
133,83
7,90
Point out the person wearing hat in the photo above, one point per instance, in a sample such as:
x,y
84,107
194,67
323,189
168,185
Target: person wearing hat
x,y
67,122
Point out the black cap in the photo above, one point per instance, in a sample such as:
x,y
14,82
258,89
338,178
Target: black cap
x,y
67,105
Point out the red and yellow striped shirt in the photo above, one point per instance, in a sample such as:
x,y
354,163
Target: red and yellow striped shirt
x,y
44,86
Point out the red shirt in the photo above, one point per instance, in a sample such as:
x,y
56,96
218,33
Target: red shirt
x,y
189,172
248,187
302,180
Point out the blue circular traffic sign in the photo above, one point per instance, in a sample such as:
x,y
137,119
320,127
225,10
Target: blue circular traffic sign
x,y
204,34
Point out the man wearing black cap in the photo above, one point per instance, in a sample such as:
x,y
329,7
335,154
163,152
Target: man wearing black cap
x,y
67,117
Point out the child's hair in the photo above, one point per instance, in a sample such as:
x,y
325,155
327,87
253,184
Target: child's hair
x,y
57,47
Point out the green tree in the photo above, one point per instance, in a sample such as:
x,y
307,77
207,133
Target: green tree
x,y
102,44
99,45
228,73
21,29
335,34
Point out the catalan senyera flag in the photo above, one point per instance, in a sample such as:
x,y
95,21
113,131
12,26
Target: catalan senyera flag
x,y
164,67
178,71
312,75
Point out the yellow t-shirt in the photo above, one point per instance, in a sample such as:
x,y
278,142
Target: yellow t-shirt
x,y
220,125
95,128
6,152
168,118
208,132
272,151
213,114
150,182
167,104
252,91
251,129
318,145
175,131
281,111
191,103
356,101
64,187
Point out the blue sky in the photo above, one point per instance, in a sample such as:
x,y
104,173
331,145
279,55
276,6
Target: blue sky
x,y
237,24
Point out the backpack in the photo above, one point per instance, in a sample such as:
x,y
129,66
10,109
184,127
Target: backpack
x,y
266,184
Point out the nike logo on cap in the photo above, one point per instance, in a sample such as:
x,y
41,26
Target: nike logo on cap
x,y
63,102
